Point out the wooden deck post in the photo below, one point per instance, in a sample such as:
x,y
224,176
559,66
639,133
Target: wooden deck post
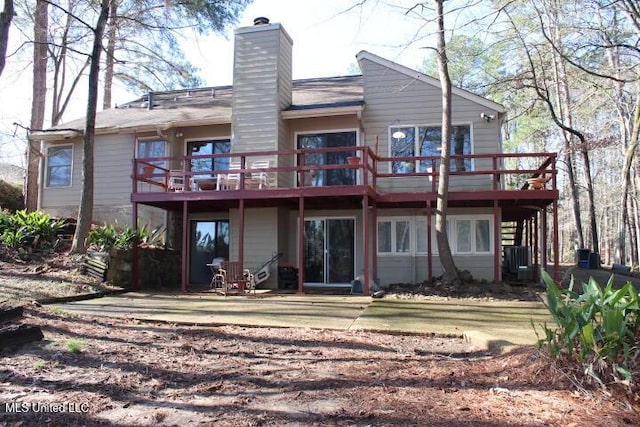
x,y
301,245
241,233
374,242
536,247
497,223
429,248
365,243
185,246
135,251
556,249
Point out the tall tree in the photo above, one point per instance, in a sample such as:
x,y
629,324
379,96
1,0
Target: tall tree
x,y
85,212
39,95
444,249
6,16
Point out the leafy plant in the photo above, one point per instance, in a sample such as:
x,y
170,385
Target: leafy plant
x,y
74,346
598,328
108,236
28,230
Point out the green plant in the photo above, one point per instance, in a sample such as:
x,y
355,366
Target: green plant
x,y
39,364
29,230
108,236
74,346
598,328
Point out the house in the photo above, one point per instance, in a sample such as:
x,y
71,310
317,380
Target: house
x,y
338,174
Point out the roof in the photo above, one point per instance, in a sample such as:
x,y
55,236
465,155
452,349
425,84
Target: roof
x,y
159,111
207,106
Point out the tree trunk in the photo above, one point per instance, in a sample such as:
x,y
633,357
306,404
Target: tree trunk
x,y
110,62
6,16
444,249
41,22
85,212
626,178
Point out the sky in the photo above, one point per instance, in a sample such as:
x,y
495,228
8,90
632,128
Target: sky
x,y
326,35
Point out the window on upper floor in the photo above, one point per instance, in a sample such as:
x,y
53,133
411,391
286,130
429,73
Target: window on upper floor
x,y
409,141
148,149
209,147
59,166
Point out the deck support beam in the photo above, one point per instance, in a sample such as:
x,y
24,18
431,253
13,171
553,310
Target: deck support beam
x,y
301,245
544,233
185,246
536,247
429,247
135,251
497,223
556,249
374,242
241,214
365,243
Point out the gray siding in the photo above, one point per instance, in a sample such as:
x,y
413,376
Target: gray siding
x,y
394,98
261,86
112,184
260,238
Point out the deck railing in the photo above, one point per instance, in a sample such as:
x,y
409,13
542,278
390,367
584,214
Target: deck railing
x,y
358,166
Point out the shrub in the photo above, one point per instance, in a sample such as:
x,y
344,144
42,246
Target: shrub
x,y
28,230
11,197
597,328
107,237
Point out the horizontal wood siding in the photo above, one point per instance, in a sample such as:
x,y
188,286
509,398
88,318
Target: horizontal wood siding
x,y
393,98
408,269
112,174
259,72
260,235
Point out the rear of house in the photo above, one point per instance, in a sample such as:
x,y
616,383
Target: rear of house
x,y
336,174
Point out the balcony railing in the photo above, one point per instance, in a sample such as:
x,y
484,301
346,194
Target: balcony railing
x,y
337,166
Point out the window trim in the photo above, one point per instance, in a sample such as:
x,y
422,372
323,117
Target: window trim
x,y
452,232
394,220
46,169
416,142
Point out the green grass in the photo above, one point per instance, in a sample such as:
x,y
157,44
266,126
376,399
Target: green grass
x,y
74,346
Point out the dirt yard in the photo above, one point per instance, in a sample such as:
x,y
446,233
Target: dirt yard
x,y
126,373
119,372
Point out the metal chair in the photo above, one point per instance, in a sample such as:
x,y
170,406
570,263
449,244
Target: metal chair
x,y
176,180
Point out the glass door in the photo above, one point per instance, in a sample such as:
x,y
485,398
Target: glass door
x,y
329,250
336,176
209,240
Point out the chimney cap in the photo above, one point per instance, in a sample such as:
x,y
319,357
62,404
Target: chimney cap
x,y
261,20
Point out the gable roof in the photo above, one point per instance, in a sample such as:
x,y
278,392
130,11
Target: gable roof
x,y
363,54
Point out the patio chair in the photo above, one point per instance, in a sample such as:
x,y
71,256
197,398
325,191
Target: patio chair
x,y
230,276
259,179
175,181
229,181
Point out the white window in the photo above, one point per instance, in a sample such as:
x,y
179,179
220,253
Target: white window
x,y
468,235
394,236
409,141
59,166
472,235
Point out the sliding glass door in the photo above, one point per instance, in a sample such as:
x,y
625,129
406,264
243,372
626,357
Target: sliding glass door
x,y
328,140
209,240
329,250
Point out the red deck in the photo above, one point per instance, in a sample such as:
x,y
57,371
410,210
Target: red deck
x,y
515,193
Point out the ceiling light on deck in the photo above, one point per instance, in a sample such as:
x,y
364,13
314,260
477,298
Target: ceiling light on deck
x,y
398,134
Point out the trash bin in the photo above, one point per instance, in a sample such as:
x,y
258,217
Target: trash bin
x,y
287,277
594,260
583,257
